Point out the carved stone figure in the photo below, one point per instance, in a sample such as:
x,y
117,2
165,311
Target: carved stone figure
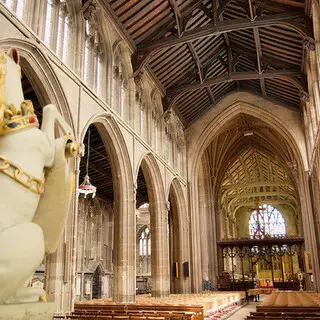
x,y
34,200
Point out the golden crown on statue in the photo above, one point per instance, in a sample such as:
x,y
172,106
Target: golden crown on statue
x,y
15,119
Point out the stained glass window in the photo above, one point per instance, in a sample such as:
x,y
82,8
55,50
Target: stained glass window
x,y
266,220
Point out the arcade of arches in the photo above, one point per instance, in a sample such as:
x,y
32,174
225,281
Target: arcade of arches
x,y
203,143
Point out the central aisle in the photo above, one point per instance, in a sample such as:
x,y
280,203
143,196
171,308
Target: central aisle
x,y
244,311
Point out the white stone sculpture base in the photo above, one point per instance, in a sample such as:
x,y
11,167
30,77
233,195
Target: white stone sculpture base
x,y
27,311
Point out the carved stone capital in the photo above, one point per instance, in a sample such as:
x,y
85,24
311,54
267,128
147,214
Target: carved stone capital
x,y
63,8
138,78
116,71
293,165
309,44
304,96
89,11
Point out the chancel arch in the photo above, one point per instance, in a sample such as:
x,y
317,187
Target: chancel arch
x,y
150,190
244,128
112,174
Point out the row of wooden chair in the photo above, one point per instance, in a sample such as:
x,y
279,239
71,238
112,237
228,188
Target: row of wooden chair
x,y
278,315
135,312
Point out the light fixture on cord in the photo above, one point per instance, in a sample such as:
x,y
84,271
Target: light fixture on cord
x,y
86,188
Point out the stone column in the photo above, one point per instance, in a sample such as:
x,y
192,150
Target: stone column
x,y
60,266
159,249
124,266
308,227
195,238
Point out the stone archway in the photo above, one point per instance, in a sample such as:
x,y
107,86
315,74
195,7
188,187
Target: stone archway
x,y
42,87
295,148
158,226
124,266
41,75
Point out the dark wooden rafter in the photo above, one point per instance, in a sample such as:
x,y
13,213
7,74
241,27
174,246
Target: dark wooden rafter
x,y
185,16
206,65
178,16
143,54
241,76
258,48
208,49
271,5
230,66
196,61
265,62
191,47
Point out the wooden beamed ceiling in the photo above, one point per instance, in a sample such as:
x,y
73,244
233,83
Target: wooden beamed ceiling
x,y
202,50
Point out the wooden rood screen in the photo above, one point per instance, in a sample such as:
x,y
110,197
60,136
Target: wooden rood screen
x,y
266,250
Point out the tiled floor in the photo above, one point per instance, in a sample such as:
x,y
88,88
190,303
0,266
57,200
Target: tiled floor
x,y
245,311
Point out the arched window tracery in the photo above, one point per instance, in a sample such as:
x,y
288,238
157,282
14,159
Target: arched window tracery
x,y
145,250
266,221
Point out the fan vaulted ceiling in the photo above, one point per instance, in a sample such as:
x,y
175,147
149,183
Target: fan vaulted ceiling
x,y
200,51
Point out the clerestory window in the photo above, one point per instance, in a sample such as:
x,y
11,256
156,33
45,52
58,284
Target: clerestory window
x,y
57,28
93,59
17,6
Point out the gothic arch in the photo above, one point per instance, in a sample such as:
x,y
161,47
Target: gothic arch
x,y
213,128
41,74
121,55
158,226
297,153
114,141
176,189
124,206
153,177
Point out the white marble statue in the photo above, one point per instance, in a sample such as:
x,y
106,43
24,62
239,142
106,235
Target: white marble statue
x,y
35,184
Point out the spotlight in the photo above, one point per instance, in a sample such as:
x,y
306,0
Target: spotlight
x,y
248,133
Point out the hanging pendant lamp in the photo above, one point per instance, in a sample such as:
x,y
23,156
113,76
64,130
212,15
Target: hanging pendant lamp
x,y
86,188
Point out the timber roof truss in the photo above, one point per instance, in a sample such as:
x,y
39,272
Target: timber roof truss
x,y
202,50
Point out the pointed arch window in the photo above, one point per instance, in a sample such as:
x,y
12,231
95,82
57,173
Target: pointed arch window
x,y
93,58
266,221
48,23
145,250
63,33
17,6
57,28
